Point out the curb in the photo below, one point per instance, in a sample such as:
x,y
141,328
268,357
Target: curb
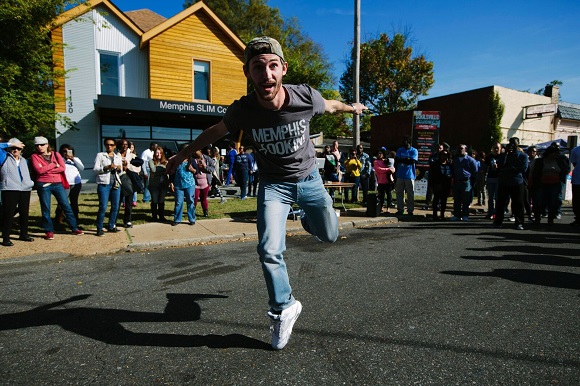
x,y
214,239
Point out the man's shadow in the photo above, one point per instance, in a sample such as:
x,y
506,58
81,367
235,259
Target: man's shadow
x,y
104,324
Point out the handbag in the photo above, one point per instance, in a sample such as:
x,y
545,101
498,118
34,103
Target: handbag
x,y
64,181
136,181
137,162
126,185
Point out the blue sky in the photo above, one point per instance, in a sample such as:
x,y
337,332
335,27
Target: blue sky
x,y
516,44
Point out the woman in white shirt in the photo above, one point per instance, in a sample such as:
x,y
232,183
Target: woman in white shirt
x,y
108,165
73,168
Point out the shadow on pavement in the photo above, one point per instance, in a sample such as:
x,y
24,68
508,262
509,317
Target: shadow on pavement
x,y
105,324
529,276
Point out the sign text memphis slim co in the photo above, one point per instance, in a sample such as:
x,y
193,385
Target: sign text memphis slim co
x,y
197,108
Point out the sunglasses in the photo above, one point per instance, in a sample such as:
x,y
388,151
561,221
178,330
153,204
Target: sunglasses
x,y
14,148
109,144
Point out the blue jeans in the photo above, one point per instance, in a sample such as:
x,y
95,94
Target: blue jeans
x,y
188,194
462,197
492,185
274,202
58,191
146,191
106,193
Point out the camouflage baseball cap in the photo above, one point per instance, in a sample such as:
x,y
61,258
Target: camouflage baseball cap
x,y
262,45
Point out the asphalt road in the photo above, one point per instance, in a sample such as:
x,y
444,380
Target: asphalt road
x,y
407,304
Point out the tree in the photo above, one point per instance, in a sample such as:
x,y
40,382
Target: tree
x,y
307,62
494,133
247,18
552,83
27,72
331,125
391,79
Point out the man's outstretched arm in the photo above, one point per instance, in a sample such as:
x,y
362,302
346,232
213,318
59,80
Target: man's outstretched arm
x,y
334,106
209,135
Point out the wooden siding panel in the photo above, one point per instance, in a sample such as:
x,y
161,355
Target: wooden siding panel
x,y
171,57
58,63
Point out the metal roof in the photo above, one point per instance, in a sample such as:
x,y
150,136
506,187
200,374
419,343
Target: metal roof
x,y
569,111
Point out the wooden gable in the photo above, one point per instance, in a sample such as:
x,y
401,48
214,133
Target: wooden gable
x,y
194,34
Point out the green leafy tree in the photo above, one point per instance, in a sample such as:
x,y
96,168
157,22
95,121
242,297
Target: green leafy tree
x,y
391,79
307,62
247,18
27,71
331,125
494,134
552,83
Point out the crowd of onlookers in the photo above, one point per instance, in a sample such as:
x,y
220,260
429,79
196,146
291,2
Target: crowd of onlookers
x,y
120,174
529,183
506,180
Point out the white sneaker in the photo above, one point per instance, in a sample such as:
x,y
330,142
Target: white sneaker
x,y
281,325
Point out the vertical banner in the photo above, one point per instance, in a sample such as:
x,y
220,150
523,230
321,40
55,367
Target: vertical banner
x,y
426,126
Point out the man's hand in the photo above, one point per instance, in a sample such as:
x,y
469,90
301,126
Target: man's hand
x,y
174,162
334,106
358,108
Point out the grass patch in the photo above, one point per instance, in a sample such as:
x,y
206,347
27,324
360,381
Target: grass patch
x,y
233,207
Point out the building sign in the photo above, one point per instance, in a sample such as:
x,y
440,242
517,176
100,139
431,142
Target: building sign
x,y
192,107
538,111
159,106
426,125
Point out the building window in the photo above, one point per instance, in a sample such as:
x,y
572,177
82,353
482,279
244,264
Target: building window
x,y
169,138
201,81
125,131
109,66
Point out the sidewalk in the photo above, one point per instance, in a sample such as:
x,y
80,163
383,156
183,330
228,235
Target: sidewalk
x,y
163,235
150,236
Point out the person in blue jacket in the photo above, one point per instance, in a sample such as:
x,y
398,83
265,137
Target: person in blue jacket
x,y
405,160
230,160
464,179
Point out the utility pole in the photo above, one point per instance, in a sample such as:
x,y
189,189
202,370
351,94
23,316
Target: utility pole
x,y
356,75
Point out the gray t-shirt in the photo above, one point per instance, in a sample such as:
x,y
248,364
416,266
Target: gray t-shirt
x,y
281,138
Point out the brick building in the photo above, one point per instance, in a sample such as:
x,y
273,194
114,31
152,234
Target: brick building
x,y
465,116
